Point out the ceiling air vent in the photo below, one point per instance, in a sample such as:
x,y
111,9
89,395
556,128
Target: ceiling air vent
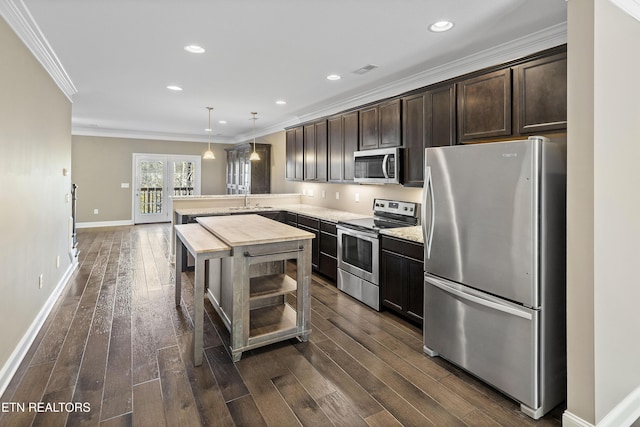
x,y
365,69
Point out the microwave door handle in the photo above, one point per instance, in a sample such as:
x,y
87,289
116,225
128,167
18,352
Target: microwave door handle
x,y
384,166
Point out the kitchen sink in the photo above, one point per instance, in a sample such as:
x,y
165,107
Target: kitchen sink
x,y
249,208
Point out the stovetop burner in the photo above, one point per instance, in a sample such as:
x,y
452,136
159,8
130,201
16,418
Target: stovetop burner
x,y
387,214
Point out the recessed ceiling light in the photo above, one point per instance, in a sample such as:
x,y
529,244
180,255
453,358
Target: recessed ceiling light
x,y
281,102
222,122
441,26
173,87
192,48
333,77
208,130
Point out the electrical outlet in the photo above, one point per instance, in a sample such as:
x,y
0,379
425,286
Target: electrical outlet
x,y
323,194
357,198
304,191
40,280
58,261
337,195
96,211
310,193
124,185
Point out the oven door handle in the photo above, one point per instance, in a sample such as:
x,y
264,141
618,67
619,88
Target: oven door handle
x,y
355,233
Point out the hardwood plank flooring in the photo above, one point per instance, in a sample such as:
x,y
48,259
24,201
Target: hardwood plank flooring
x,y
116,342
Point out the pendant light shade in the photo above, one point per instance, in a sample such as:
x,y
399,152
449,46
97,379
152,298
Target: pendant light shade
x,y
254,156
208,155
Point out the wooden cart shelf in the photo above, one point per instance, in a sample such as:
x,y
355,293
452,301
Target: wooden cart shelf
x,y
271,285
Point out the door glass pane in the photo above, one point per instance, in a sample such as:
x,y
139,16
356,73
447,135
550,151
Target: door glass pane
x,y
357,252
151,184
183,178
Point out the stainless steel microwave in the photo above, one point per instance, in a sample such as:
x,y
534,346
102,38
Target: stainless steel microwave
x,y
380,166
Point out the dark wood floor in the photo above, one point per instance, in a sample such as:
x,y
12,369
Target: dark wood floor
x,y
116,342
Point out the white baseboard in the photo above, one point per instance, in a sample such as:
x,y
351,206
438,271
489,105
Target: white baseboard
x,y
624,414
571,420
11,366
104,224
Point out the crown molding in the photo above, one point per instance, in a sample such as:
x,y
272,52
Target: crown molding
x,y
134,134
630,7
535,42
17,15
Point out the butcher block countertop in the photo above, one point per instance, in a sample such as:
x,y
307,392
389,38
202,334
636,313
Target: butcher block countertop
x,y
243,230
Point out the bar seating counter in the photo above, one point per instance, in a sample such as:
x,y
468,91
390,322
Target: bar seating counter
x,y
249,287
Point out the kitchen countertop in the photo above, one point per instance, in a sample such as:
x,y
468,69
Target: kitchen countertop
x,y
242,230
413,234
325,214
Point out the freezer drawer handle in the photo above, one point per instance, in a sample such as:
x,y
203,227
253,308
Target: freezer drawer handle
x,y
481,301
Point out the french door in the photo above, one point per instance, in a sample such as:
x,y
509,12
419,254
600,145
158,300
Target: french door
x,y
157,177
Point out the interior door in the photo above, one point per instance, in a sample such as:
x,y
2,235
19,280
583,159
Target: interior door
x,y
159,177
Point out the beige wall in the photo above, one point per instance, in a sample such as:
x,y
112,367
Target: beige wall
x,y
603,287
101,164
35,147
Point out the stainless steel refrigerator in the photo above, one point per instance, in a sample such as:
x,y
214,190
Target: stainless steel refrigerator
x,y
494,233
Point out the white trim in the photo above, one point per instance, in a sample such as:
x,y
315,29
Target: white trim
x,y
104,224
17,15
80,130
13,363
630,7
532,43
625,413
523,46
571,420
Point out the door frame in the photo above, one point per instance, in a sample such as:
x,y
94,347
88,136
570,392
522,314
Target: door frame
x,y
169,159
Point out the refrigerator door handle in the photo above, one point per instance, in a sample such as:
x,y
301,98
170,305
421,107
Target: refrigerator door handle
x,y
478,300
428,193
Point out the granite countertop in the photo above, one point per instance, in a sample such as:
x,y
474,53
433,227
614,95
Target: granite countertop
x,y
413,234
230,196
325,214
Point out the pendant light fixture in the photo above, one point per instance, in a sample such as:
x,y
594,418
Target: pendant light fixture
x,y
254,155
208,155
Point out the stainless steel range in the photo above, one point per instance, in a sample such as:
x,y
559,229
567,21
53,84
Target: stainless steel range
x,y
359,248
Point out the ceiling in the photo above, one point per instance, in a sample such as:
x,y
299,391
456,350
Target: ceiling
x,y
121,55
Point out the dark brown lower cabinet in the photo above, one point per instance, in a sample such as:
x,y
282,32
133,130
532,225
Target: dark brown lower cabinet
x,y
312,225
402,277
328,260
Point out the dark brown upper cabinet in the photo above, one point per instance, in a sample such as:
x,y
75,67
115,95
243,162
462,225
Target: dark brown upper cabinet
x,y
315,151
484,106
342,142
309,152
295,154
540,95
428,121
381,125
290,142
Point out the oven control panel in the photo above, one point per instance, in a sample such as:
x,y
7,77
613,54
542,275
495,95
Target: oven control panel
x,y
395,207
